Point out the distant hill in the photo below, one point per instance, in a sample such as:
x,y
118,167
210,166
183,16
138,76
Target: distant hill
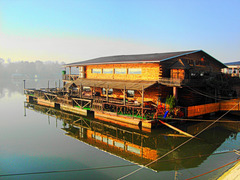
x,y
232,63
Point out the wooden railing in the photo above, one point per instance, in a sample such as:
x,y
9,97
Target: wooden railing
x,y
179,82
233,105
131,111
71,77
113,105
170,81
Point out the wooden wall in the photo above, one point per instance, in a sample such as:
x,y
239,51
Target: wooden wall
x,y
150,71
210,64
232,105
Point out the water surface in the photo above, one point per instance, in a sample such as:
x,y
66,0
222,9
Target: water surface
x,y
39,139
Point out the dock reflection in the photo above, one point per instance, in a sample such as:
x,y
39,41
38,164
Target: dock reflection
x,y
143,147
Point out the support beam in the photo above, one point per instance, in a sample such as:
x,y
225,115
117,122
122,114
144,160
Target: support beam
x,y
142,100
124,96
175,94
107,93
69,73
81,90
94,91
91,92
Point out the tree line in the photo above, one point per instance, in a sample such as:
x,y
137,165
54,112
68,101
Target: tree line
x,y
30,70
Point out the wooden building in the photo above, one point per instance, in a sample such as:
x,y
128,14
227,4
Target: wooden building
x,y
142,78
233,68
134,90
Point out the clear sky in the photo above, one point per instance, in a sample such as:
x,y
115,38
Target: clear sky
x,y
75,30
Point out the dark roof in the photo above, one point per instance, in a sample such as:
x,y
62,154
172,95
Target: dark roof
x,y
232,63
157,57
119,84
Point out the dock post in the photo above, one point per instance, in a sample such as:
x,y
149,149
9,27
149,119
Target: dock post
x,y
25,113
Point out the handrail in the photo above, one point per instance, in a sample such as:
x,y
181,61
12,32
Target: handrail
x,y
71,77
170,81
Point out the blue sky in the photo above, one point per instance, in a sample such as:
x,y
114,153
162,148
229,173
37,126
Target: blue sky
x,y
77,30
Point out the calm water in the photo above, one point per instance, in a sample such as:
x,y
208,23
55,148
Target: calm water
x,y
39,139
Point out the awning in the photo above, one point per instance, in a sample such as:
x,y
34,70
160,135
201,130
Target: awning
x,y
115,84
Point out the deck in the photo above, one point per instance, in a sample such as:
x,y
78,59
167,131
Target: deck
x,y
112,110
115,110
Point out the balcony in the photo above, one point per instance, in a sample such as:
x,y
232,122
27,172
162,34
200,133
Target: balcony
x,y
72,77
174,82
171,82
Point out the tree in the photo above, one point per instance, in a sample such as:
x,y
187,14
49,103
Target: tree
x,y
171,101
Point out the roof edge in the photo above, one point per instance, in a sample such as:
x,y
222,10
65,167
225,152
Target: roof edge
x,y
132,62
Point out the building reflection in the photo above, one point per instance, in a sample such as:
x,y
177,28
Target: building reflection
x,y
143,147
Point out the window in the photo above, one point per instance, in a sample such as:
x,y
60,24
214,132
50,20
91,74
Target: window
x,y
97,71
110,91
110,141
107,71
120,71
118,144
104,139
130,93
134,71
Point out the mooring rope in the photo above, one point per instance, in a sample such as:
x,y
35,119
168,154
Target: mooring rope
x,y
202,120
63,171
109,167
237,152
207,95
179,145
213,169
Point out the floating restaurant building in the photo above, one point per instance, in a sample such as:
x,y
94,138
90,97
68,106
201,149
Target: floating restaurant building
x,y
136,89
152,77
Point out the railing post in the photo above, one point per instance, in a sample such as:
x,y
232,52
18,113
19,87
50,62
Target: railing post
x,y
133,112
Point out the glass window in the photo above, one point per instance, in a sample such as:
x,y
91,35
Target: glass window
x,y
134,71
98,137
120,71
107,71
110,91
118,144
110,141
130,93
97,71
105,139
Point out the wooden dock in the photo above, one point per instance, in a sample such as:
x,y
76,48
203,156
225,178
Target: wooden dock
x,y
233,173
77,106
129,114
